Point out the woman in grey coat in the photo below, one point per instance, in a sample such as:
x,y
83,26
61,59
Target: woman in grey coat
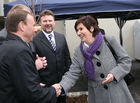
x,y
105,75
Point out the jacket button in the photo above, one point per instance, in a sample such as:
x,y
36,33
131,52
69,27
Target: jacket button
x,y
98,64
102,75
97,52
106,87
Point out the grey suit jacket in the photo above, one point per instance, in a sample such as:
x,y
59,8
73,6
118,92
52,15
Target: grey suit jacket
x,y
104,63
3,35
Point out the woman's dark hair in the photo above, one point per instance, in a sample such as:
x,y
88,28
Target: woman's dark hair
x,y
88,21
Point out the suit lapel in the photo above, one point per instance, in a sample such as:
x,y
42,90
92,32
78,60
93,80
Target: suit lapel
x,y
45,41
56,40
15,37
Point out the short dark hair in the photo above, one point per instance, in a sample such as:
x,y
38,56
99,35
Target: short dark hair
x,y
13,19
88,21
46,12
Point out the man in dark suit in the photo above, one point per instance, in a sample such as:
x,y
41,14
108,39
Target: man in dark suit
x,y
19,79
54,47
3,37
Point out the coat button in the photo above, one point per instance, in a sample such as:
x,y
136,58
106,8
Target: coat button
x,y
102,75
97,52
106,87
98,64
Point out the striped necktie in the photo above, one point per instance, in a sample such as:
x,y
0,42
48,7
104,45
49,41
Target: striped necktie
x,y
52,42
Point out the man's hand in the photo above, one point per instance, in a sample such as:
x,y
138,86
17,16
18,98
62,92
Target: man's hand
x,y
57,88
109,78
42,84
40,62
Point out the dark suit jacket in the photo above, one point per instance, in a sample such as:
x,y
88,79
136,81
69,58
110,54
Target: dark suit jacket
x,y
19,79
58,61
3,37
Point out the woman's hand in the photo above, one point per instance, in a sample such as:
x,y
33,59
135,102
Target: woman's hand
x,y
57,88
109,78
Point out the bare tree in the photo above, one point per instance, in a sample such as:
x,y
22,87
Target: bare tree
x,y
33,7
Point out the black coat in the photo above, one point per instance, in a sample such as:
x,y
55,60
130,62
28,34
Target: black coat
x,y
3,37
19,79
58,61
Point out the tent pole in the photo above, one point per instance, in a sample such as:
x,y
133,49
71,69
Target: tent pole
x,y
120,22
121,38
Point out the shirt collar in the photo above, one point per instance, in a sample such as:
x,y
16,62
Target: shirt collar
x,y
86,45
46,34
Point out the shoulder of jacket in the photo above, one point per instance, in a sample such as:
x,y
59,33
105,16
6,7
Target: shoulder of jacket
x,y
37,35
77,49
109,38
57,33
3,33
60,34
17,46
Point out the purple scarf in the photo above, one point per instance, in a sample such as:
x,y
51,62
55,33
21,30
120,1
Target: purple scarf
x,y
88,64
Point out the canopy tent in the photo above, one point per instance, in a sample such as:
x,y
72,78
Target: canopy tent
x,y
72,9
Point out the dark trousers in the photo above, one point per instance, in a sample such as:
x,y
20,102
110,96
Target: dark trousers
x,y
61,99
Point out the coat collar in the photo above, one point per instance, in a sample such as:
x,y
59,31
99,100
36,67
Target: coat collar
x,y
99,49
46,34
11,36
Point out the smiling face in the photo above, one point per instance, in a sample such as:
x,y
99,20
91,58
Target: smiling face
x,y
86,28
47,23
84,34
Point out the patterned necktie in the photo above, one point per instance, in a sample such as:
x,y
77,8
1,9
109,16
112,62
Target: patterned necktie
x,y
52,42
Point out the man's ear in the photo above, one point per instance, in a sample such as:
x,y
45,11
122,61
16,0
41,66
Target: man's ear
x,y
91,29
21,26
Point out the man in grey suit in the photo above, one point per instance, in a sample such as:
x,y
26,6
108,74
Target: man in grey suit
x,y
54,47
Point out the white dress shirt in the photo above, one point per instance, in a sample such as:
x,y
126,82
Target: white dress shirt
x,y
46,34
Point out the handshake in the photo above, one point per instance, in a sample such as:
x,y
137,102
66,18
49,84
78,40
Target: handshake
x,y
41,63
58,89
